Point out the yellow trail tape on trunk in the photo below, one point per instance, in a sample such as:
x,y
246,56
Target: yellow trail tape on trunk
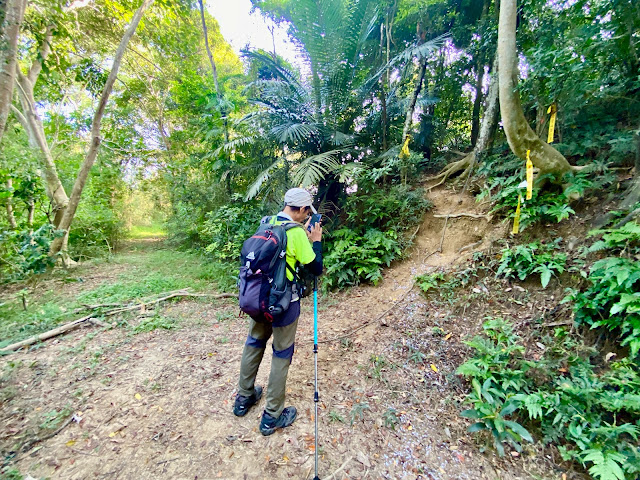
x,y
552,122
516,219
404,153
529,176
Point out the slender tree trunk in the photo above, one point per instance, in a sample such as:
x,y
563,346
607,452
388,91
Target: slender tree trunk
x,y
14,12
215,72
37,138
31,204
637,163
206,44
519,134
59,243
475,116
485,137
490,119
10,216
383,96
412,105
632,195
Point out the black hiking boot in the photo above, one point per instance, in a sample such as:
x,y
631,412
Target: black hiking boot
x,y
243,404
269,424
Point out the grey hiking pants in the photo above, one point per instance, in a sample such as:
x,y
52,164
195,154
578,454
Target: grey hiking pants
x,y
284,334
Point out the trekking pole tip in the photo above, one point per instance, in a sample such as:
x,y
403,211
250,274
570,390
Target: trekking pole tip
x,y
316,478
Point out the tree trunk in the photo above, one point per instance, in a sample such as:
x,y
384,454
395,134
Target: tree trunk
x,y
59,243
14,12
490,119
215,73
475,116
206,44
37,138
383,96
632,195
485,137
519,134
31,204
10,216
412,105
637,163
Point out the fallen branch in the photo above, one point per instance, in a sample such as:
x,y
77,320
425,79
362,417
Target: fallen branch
x,y
46,335
463,214
89,318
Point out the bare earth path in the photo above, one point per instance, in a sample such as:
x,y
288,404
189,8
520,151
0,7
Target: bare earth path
x,y
157,405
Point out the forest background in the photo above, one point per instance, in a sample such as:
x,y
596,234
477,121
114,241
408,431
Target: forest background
x,y
121,116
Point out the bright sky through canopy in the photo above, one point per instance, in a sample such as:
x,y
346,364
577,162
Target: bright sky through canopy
x,y
240,27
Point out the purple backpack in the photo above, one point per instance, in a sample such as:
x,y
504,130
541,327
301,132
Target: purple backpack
x,y
265,291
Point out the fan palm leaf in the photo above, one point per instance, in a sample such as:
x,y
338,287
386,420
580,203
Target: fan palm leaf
x,y
313,169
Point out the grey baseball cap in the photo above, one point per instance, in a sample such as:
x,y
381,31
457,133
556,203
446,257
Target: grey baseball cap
x,y
299,197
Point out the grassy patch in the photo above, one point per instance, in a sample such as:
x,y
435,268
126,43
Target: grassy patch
x,y
149,271
143,232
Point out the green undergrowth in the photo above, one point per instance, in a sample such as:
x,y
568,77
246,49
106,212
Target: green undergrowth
x,y
503,184
577,390
373,233
131,276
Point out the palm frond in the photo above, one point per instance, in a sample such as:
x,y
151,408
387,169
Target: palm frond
x,y
294,132
232,145
255,187
339,139
314,168
414,51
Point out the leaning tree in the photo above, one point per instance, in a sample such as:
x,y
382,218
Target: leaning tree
x,y
520,135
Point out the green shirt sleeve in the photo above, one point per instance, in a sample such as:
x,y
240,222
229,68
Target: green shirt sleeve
x,y
298,249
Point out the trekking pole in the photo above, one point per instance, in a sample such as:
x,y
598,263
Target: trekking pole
x,y
316,397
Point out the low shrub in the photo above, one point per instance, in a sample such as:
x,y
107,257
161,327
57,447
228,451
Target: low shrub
x,y
611,298
523,261
372,233
591,413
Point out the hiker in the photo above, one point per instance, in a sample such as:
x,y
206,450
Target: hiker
x,y
303,247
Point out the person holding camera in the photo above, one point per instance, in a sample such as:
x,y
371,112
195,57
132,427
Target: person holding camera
x,y
304,247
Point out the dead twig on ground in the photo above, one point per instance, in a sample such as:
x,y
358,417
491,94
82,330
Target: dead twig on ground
x,y
32,443
333,475
444,230
121,309
471,245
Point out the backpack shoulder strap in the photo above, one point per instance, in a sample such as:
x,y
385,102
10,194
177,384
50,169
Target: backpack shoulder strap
x,y
289,225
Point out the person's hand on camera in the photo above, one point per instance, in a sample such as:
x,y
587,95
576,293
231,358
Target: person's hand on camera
x,y
315,235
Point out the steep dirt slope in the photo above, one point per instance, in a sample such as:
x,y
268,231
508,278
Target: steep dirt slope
x,y
157,404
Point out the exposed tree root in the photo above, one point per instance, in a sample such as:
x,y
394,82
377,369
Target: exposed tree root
x,y
465,165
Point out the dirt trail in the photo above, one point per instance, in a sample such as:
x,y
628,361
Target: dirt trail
x,y
158,404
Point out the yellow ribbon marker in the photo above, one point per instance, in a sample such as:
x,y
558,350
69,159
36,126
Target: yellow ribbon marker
x,y
529,176
552,122
404,153
516,219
